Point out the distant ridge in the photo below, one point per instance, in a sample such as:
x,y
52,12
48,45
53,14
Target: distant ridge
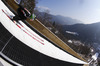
x,y
61,19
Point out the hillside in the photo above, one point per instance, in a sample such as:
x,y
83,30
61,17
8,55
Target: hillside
x,y
86,32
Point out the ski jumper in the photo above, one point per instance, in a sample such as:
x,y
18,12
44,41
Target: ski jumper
x,y
23,13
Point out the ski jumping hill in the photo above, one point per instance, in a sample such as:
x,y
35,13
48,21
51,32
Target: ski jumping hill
x,y
36,36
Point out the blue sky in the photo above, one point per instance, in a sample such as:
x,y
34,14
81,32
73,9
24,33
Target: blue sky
x,y
87,11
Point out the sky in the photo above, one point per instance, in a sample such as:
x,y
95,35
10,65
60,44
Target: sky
x,y
87,11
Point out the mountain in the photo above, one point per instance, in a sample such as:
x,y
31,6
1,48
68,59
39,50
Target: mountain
x,y
64,20
86,32
58,18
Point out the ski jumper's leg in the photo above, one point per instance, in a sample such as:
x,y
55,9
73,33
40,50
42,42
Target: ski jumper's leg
x,y
16,18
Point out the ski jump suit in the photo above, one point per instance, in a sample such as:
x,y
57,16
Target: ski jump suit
x,y
23,13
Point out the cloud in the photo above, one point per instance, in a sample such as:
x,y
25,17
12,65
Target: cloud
x,y
43,8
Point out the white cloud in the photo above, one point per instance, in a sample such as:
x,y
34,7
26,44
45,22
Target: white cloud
x,y
43,8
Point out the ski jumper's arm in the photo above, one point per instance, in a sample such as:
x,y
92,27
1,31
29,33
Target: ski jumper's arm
x,y
32,17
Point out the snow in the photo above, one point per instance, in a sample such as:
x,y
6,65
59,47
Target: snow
x,y
70,41
95,56
73,33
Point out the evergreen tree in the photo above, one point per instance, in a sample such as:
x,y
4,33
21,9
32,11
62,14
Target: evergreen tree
x,y
54,23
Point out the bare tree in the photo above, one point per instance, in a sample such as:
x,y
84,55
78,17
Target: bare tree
x,y
29,4
46,16
36,12
43,16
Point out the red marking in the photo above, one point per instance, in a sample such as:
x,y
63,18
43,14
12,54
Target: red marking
x,y
6,14
19,26
31,36
32,33
35,35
